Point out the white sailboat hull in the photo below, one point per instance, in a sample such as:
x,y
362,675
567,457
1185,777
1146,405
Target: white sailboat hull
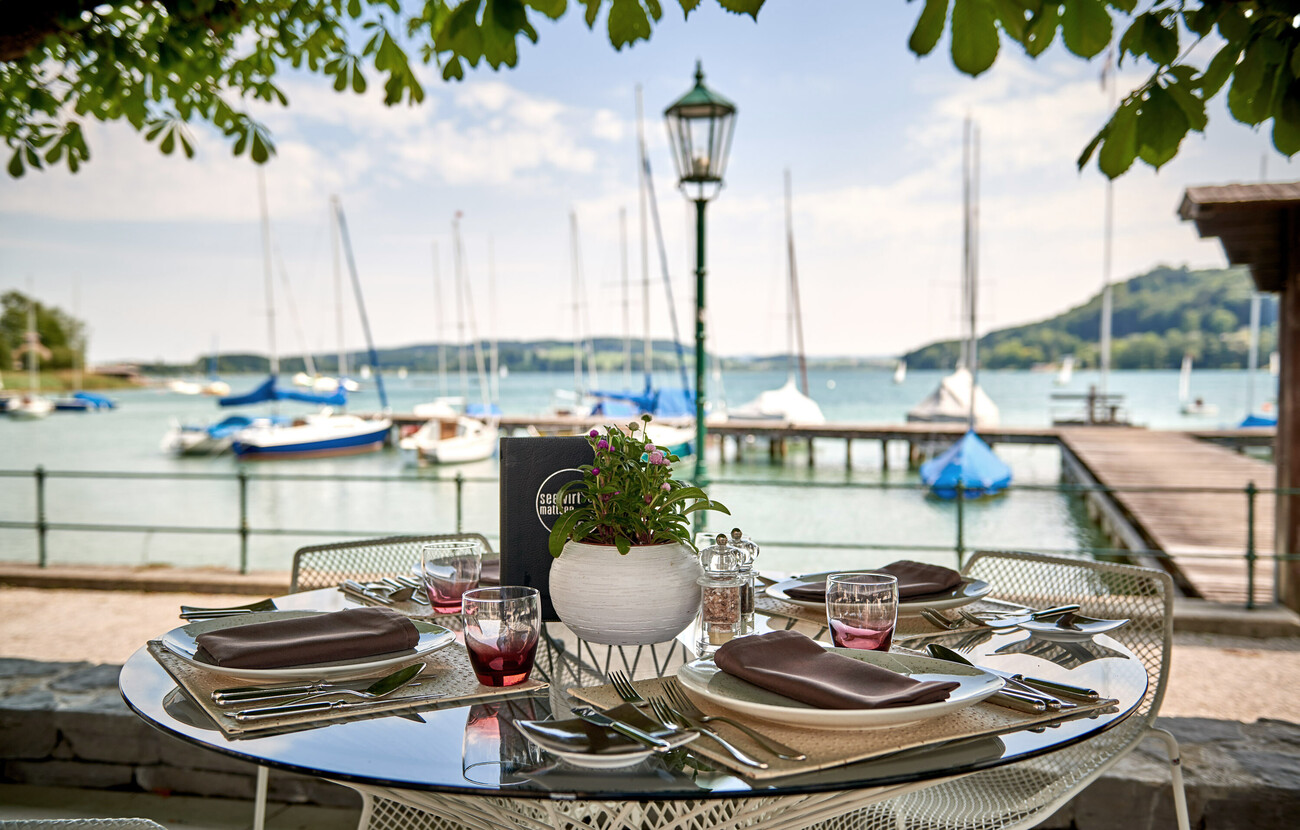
x,y
455,440
30,408
316,436
786,404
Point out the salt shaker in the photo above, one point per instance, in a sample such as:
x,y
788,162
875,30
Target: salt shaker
x,y
748,553
720,595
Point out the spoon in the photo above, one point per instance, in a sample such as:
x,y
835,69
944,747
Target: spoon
x,y
382,687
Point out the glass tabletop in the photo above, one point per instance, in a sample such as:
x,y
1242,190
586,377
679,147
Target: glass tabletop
x,y
477,750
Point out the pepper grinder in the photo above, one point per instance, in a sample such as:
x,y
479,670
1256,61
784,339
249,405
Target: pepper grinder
x,y
720,595
748,553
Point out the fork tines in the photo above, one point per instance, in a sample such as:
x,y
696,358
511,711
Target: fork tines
x,y
663,712
623,686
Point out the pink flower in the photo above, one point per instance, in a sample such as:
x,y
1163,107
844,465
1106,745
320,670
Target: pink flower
x,y
649,498
603,445
594,434
595,471
649,447
657,457
665,487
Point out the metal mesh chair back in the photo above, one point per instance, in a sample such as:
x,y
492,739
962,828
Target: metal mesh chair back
x,y
79,823
325,566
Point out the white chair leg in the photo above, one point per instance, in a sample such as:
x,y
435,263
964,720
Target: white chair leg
x,y
259,800
1176,773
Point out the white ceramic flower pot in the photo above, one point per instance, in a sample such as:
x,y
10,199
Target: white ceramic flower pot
x,y
648,596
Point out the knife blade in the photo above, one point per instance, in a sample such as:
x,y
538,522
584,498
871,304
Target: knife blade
x,y
264,712
360,591
623,728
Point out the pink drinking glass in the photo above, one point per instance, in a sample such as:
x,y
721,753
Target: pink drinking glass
x,y
862,610
502,626
449,570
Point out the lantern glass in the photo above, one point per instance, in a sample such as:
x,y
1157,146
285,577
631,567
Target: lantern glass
x,y
700,126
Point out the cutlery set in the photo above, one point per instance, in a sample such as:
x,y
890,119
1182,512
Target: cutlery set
x,y
299,698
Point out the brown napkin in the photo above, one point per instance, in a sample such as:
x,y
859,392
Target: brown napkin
x,y
793,665
490,573
341,635
915,579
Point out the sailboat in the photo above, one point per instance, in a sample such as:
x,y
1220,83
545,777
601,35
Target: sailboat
x,y
1186,404
31,406
215,387
968,468
900,371
326,433
449,436
1066,374
1252,368
81,400
790,403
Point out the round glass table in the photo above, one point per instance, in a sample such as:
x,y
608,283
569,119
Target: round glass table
x,y
467,766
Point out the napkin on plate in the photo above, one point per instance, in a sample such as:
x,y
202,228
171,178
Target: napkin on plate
x,y
341,635
915,579
793,665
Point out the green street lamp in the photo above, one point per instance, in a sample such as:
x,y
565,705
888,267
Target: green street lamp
x,y
700,125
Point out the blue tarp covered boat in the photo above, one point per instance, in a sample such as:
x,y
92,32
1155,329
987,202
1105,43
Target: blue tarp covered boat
x,y
971,462
1258,421
84,402
269,391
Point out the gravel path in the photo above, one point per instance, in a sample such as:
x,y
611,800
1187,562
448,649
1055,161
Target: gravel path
x,y
1234,678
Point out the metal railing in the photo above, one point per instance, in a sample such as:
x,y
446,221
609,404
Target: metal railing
x,y
1250,556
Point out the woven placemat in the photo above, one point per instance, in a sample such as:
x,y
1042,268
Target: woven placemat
x,y
448,673
825,748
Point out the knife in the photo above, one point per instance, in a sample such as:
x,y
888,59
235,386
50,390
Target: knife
x,y
1020,682
623,728
358,590
322,706
1011,699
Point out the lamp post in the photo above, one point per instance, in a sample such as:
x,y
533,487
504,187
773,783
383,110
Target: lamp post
x,y
700,125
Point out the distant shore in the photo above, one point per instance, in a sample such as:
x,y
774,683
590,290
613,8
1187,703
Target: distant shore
x,y
62,380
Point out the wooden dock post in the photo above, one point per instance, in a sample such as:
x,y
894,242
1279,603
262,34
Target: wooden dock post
x,y
848,453
812,456
884,454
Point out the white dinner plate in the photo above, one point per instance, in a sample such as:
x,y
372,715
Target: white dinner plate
x,y
708,681
597,747
180,641
964,594
1085,628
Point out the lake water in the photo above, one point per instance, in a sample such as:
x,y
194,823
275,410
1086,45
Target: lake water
x,y
423,500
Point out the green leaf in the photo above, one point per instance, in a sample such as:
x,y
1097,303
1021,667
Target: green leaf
x,y
1191,105
16,164
1218,71
593,10
1162,43
1119,147
1249,91
1200,21
1090,149
168,143
1042,29
1286,122
749,7
929,27
551,8
688,6
1161,126
1013,17
1086,26
974,36
1126,6
1233,25
627,23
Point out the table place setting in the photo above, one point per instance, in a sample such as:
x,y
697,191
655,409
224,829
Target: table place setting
x,y
436,581
312,668
868,704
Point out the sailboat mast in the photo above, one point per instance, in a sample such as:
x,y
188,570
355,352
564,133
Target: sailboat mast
x,y
459,274
439,328
796,307
79,345
1252,359
494,375
647,359
577,317
342,367
627,309
974,269
32,340
267,271
361,303
484,383
1108,235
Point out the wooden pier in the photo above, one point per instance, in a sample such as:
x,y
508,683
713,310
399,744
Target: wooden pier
x,y
1204,534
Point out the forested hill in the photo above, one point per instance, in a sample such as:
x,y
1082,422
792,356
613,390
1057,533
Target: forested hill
x,y
1158,317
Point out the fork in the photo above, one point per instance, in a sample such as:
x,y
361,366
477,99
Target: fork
x,y
687,707
676,722
939,620
623,686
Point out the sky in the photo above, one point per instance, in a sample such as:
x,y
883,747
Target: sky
x,y
164,255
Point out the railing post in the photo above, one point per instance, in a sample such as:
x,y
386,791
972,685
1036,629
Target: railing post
x,y
41,528
460,499
961,523
243,520
1250,545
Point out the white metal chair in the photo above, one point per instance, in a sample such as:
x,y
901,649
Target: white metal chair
x,y
325,566
1024,794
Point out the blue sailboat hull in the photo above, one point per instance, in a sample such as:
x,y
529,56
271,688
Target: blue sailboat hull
x,y
344,445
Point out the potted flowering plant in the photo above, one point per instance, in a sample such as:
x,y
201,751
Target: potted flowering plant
x,y
633,506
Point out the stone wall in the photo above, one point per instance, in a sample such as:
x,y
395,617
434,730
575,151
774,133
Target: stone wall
x,y
64,724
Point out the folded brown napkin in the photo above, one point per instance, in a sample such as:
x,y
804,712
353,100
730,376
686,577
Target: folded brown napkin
x,y
793,665
341,635
915,579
